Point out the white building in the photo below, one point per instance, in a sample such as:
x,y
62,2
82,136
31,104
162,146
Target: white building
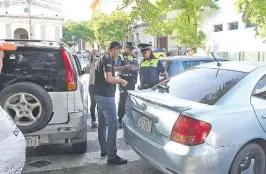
x,y
230,37
45,21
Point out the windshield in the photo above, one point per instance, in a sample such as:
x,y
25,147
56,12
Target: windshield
x,y
202,85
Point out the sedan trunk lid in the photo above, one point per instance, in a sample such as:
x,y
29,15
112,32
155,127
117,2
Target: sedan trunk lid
x,y
154,114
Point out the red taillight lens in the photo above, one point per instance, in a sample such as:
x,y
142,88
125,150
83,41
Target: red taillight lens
x,y
189,131
71,82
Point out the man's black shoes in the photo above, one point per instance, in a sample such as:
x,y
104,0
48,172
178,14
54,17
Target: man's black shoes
x,y
117,160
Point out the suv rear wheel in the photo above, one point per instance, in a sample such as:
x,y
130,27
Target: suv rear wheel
x,y
28,104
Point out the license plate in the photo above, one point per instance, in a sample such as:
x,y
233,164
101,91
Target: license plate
x,y
32,141
145,123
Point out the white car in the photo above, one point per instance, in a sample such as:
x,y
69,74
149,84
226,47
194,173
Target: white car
x,y
44,90
12,145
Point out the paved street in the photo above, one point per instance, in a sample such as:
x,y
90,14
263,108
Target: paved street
x,y
59,159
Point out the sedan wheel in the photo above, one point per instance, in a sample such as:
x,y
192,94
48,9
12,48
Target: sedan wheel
x,y
249,160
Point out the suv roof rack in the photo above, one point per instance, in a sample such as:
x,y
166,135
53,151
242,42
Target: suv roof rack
x,y
60,44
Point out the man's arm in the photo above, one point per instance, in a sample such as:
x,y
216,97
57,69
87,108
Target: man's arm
x,y
109,78
163,70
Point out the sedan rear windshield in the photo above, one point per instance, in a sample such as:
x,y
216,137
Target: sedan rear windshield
x,y
202,85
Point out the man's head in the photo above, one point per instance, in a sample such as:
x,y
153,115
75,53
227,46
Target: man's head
x,y
114,49
145,50
1,59
130,46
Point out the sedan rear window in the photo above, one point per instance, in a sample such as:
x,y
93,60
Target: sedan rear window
x,y
203,85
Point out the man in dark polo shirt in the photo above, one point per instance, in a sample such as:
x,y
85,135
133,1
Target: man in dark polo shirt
x,y
104,94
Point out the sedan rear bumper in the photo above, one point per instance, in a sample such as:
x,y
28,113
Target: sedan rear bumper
x,y
174,158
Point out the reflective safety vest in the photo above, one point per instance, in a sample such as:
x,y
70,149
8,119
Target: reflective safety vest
x,y
129,57
149,73
149,63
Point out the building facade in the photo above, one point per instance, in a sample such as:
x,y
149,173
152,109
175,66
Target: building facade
x,y
229,37
31,19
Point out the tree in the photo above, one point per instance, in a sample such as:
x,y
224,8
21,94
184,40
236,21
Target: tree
x,y
81,30
111,28
254,11
179,18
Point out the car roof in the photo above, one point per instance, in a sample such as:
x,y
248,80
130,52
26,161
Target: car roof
x,y
234,65
191,58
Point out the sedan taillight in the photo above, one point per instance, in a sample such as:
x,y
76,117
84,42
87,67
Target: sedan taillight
x,y
189,131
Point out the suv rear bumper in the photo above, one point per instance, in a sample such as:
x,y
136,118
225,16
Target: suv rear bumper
x,y
73,129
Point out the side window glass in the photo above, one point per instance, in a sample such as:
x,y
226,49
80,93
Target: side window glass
x,y
260,89
78,65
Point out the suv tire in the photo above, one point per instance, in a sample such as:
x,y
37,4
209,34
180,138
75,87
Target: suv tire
x,y
24,91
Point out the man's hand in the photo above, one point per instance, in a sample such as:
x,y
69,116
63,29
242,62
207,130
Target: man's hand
x,y
2,54
123,82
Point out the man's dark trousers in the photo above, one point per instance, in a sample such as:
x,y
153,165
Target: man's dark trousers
x,y
123,98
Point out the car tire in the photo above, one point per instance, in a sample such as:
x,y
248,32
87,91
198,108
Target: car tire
x,y
250,155
81,146
36,100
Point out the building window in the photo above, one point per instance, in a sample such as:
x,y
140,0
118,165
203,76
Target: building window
x,y
233,26
43,32
249,24
218,28
137,38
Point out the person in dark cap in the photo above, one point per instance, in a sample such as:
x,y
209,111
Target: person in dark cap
x,y
150,68
127,65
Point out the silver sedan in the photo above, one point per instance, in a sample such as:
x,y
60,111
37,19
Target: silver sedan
x,y
210,119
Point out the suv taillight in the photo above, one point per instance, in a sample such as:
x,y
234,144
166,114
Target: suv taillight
x,y
189,131
71,82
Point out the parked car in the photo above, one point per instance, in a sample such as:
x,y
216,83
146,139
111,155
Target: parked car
x,y
177,64
43,88
85,54
159,52
207,120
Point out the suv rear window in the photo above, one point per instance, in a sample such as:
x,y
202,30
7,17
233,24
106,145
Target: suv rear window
x,y
203,85
31,59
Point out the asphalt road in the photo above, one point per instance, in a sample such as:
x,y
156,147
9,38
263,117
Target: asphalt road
x,y
59,158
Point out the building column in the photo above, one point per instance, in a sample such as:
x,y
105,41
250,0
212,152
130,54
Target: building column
x,y
8,31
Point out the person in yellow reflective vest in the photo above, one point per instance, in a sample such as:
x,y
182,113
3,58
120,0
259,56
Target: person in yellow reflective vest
x,y
127,65
150,68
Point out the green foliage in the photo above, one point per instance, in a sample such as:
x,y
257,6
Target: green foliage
x,y
111,28
178,18
254,11
82,30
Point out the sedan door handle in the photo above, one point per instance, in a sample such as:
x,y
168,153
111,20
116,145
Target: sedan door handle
x,y
264,116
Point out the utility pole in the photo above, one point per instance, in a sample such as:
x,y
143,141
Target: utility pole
x,y
29,11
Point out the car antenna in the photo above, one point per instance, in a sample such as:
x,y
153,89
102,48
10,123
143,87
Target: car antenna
x,y
218,63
